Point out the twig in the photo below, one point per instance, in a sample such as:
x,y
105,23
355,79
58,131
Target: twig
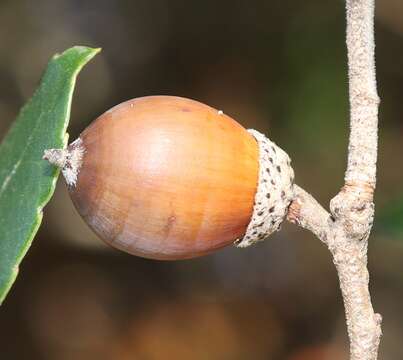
x,y
347,229
306,212
364,100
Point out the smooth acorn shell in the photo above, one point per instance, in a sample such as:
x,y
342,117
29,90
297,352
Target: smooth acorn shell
x,y
167,178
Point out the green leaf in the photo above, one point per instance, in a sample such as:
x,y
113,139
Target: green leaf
x,y
26,181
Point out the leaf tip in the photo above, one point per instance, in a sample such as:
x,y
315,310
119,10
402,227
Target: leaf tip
x,y
78,50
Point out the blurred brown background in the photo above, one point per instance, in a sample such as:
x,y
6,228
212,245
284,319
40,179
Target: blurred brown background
x,y
278,66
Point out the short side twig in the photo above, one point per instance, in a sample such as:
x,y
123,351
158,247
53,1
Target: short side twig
x,y
306,212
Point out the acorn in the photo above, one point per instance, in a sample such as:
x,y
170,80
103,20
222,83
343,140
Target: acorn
x,y
165,177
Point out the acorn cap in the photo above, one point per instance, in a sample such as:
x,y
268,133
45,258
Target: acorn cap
x,y
274,191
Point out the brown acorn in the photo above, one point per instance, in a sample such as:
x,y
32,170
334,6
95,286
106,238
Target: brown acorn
x,y
163,177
